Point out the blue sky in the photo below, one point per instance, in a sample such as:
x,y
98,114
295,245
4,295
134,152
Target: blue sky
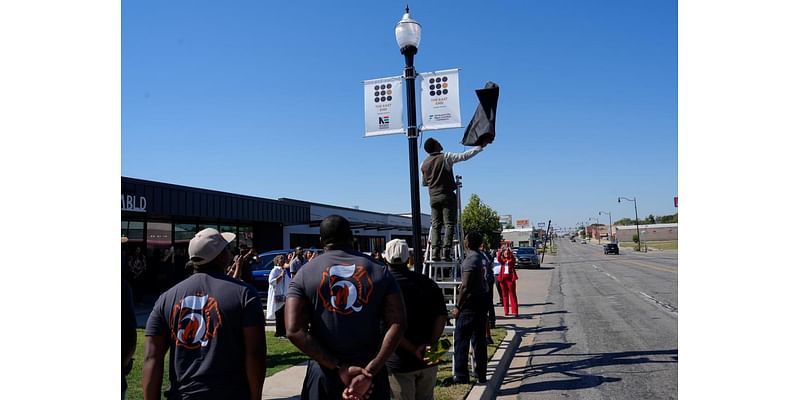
x,y
266,99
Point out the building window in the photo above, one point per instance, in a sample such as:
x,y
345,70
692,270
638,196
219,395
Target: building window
x,y
133,230
408,239
303,240
368,244
214,226
246,235
184,232
159,234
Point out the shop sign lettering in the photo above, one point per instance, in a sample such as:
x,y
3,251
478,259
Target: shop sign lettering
x,y
134,203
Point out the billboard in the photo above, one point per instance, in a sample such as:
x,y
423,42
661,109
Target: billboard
x,y
523,223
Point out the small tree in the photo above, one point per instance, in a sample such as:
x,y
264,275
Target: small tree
x,y
478,217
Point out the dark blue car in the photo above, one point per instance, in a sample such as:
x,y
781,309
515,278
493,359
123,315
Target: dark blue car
x,y
261,270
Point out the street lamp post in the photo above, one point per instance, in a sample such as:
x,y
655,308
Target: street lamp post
x,y
408,34
636,211
609,224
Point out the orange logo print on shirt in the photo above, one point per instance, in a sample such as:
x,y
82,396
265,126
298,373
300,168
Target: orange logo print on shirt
x,y
345,289
194,321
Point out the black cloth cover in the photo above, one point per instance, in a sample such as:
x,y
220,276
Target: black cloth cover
x,y
482,123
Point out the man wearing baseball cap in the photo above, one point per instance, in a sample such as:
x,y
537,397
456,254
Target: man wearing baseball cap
x,y
411,375
213,326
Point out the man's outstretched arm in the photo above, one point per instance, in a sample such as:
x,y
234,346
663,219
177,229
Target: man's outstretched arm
x,y
453,158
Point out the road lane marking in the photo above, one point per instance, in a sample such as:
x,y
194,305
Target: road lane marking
x,y
665,305
668,306
606,273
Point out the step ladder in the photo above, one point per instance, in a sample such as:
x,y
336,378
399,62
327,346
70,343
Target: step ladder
x,y
446,271
447,274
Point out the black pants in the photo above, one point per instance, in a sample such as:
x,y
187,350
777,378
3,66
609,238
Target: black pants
x,y
470,328
492,317
280,322
322,383
443,210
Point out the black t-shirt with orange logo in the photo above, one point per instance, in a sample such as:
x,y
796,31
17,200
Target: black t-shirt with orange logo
x,y
424,304
203,317
346,292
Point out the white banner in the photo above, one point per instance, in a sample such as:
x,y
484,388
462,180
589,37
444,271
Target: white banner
x,y
439,100
383,106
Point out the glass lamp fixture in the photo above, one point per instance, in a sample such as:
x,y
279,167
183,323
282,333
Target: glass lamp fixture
x,y
408,32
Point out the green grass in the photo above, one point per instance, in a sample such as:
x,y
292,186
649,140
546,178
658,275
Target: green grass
x,y
660,245
458,392
281,354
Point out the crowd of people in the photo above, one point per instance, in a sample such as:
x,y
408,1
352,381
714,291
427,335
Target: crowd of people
x,y
369,324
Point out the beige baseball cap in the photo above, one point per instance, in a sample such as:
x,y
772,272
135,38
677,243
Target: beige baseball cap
x,y
207,244
396,251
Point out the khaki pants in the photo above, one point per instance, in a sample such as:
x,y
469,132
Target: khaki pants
x,y
415,385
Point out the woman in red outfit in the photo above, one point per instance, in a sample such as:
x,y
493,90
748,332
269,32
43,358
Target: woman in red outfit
x,y
508,280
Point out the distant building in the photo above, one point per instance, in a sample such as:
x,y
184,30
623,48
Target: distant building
x,y
519,237
649,232
159,219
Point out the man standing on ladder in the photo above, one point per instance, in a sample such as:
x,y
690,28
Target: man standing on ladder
x,y
437,175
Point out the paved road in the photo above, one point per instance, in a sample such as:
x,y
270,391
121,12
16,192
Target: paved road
x,y
609,329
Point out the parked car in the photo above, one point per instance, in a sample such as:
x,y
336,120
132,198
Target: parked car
x,y
611,248
526,256
261,270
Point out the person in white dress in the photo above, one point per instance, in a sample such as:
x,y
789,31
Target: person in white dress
x,y
279,279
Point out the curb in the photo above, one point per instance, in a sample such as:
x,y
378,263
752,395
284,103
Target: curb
x,y
499,362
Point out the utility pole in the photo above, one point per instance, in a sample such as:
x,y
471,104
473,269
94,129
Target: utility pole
x,y
544,248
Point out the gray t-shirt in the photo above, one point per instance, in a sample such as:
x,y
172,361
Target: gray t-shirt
x,y
203,318
477,290
294,267
346,292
